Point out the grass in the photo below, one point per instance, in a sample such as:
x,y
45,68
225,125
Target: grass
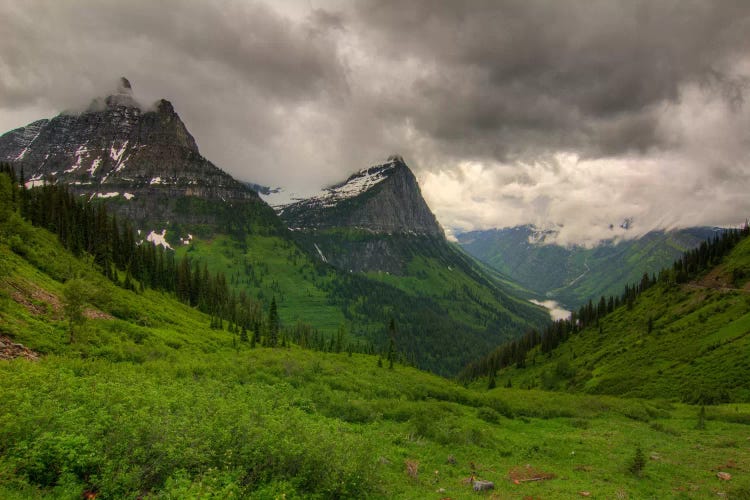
x,y
150,402
264,422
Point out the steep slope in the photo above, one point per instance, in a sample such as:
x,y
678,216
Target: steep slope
x,y
142,161
688,342
573,275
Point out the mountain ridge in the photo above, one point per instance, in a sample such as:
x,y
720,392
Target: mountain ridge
x,y
573,275
373,253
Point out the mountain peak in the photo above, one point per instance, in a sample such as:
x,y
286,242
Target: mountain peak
x,y
118,151
124,87
382,198
396,158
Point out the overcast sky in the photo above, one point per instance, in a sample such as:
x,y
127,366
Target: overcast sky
x,y
573,114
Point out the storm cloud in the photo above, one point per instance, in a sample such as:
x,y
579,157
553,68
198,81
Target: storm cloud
x,y
567,114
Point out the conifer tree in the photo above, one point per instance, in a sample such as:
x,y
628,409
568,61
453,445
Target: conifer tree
x,y
273,324
391,343
74,299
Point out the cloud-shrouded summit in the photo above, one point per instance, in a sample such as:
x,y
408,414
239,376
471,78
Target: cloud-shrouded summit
x,y
569,114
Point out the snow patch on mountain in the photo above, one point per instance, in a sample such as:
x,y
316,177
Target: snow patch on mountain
x,y
94,165
116,154
35,181
158,238
355,185
322,257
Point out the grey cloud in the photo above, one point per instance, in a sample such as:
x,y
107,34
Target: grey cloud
x,y
484,97
540,75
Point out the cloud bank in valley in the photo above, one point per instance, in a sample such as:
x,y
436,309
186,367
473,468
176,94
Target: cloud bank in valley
x,y
575,114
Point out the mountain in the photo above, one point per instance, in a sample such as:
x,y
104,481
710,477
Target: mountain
x,y
383,199
141,160
370,252
573,275
684,337
373,221
376,228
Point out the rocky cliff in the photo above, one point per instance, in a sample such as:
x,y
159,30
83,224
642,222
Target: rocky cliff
x,y
382,199
142,161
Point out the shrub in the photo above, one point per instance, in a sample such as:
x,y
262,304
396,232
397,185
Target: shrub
x,y
488,415
638,463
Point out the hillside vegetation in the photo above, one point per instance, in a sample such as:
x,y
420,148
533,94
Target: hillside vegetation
x,y
148,401
236,272
683,340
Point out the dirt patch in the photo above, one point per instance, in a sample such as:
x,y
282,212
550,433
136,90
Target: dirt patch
x,y
527,473
91,313
11,350
37,301
40,302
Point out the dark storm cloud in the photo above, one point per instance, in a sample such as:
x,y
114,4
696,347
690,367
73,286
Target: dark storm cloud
x,y
521,77
236,40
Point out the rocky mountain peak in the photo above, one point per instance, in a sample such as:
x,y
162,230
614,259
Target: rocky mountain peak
x,y
124,87
122,97
122,152
383,198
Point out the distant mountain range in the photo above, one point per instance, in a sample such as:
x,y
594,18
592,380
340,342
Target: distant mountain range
x,y
573,275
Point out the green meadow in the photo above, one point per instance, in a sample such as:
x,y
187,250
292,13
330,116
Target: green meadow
x,y
148,402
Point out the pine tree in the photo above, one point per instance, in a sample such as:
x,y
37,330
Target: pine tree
x,y
701,425
273,324
391,343
75,292
638,462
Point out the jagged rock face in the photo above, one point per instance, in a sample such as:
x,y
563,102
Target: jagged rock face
x,y
140,161
376,220
382,199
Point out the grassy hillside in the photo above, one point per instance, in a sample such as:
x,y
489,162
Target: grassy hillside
x,y
572,275
448,309
149,402
267,266
697,349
